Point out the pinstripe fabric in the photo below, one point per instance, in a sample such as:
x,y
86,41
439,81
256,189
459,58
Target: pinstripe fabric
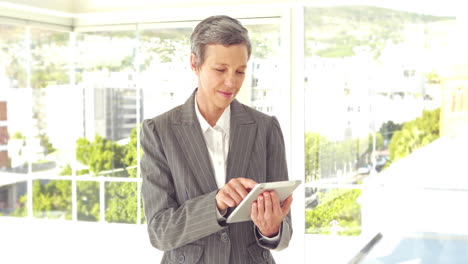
x,y
179,187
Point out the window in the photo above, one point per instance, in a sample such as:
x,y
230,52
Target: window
x,y
355,57
84,125
15,110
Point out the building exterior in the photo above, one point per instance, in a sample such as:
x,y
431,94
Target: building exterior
x,y
265,85
454,112
4,159
110,105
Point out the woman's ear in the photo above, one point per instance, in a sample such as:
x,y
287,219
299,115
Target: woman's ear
x,y
194,63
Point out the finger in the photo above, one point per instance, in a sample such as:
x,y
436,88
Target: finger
x,y
228,200
276,203
220,201
268,203
237,187
261,206
221,205
233,192
247,183
254,211
286,205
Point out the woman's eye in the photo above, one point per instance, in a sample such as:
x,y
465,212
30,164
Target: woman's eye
x,y
241,72
220,70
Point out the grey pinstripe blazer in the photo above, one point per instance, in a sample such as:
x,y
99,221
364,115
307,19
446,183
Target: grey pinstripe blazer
x,y
179,186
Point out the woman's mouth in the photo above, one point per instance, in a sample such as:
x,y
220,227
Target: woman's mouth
x,y
226,94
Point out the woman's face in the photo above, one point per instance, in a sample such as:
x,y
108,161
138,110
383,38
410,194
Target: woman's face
x,y
220,76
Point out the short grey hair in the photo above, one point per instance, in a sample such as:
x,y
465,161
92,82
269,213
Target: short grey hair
x,y
222,30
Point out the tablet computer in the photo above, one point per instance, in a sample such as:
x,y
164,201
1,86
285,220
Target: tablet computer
x,y
242,212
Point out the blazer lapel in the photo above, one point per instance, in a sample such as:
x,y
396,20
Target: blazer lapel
x,y
242,137
190,137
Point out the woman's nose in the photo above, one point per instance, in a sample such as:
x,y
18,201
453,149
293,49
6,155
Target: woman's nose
x,y
230,80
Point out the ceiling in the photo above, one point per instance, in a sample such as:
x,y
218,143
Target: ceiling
x,y
94,6
76,13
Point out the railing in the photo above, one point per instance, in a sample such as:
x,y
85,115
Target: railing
x,y
7,178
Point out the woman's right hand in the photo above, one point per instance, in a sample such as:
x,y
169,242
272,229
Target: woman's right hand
x,y
231,194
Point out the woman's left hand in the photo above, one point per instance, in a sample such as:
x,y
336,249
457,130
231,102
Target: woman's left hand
x,y
268,213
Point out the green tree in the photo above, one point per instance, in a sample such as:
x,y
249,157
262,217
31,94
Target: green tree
x,y
88,201
45,143
325,158
52,199
121,197
121,202
415,134
388,129
312,155
18,135
87,196
101,154
265,40
335,205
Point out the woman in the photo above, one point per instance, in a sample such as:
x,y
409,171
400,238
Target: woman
x,y
201,159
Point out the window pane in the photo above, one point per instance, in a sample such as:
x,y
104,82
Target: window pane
x,y
49,78
14,56
13,198
263,82
15,100
166,77
88,201
52,199
121,202
333,211
105,78
382,90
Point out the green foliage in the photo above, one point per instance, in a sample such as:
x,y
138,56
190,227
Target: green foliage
x,y
388,129
121,202
18,135
13,53
415,134
323,158
264,40
101,154
433,77
45,143
313,141
88,200
121,197
164,45
336,51
41,78
67,170
52,200
339,205
338,31
130,158
21,210
49,63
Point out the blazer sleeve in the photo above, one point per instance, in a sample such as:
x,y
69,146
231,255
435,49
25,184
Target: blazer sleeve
x,y
170,224
277,170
